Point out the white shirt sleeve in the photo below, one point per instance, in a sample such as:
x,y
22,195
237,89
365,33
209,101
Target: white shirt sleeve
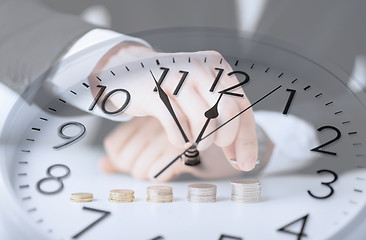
x,y
63,79
99,35
293,138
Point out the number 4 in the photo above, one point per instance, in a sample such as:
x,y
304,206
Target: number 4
x,y
298,234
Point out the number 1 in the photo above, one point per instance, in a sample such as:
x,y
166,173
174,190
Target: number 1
x,y
289,101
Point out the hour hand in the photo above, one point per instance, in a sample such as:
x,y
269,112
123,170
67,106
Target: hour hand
x,y
164,97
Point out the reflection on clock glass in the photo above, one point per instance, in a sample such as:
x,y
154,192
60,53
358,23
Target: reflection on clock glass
x,y
311,179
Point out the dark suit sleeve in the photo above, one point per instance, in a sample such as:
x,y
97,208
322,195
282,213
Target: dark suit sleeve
x,y
332,29
32,38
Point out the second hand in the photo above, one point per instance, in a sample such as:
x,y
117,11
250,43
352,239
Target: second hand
x,y
199,140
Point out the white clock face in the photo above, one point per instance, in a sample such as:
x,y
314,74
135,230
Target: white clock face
x,y
56,149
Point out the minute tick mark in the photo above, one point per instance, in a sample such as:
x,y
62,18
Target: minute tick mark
x,y
318,95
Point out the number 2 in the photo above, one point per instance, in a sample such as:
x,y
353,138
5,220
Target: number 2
x,y
227,90
338,136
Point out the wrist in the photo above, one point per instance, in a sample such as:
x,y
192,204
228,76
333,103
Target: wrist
x,y
124,52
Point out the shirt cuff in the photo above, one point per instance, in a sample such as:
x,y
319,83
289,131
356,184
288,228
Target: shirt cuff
x,y
99,35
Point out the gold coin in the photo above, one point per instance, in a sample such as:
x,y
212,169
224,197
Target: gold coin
x,y
160,189
159,194
80,196
121,192
81,200
127,200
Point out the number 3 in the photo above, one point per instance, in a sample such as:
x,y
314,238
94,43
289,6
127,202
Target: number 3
x,y
328,184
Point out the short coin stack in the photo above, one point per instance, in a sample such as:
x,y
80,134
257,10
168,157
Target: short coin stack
x,y
121,195
159,194
245,191
201,193
81,197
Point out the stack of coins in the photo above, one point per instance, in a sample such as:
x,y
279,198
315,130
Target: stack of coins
x,y
245,191
201,193
121,195
81,197
159,194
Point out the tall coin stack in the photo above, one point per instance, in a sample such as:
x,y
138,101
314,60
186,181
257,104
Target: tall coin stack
x,y
201,193
245,191
159,194
121,196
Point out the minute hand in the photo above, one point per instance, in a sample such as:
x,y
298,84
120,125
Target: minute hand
x,y
164,97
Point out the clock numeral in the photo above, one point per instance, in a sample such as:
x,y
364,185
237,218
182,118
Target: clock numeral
x,y
158,238
300,234
71,139
224,237
338,136
180,84
289,101
328,184
56,179
181,81
106,97
227,90
218,76
221,237
90,226
162,77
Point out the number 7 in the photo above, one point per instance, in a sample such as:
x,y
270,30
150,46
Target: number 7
x,y
105,214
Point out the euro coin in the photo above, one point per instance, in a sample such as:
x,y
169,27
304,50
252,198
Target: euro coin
x,y
245,190
201,193
81,197
121,195
159,194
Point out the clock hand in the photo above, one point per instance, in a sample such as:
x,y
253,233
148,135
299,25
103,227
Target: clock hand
x,y
197,142
259,100
211,113
164,97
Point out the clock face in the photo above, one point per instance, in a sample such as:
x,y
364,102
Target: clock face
x,y
312,188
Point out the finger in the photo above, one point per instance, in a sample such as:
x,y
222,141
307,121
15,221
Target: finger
x,y
132,148
230,154
173,171
106,165
119,136
148,157
227,108
193,106
170,126
246,144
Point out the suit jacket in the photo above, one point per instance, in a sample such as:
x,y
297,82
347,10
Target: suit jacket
x,y
32,38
